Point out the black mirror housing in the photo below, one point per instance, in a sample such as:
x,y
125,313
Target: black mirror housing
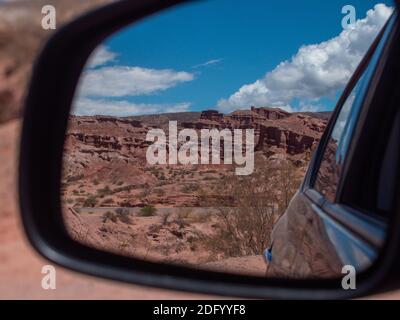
x,y
48,103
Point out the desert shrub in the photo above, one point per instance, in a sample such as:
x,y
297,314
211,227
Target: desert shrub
x,y
90,201
184,213
190,188
125,219
125,204
209,178
104,191
180,221
124,188
123,215
244,228
164,249
181,218
159,192
95,182
179,247
121,211
109,216
200,217
147,211
144,193
107,201
164,218
154,171
288,183
75,178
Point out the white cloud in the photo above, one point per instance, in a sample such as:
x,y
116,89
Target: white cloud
x,y
87,106
316,71
208,63
119,81
101,84
101,56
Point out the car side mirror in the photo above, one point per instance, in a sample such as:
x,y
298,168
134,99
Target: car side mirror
x,y
109,189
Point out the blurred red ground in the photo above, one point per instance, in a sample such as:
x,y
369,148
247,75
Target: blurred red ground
x,y
20,265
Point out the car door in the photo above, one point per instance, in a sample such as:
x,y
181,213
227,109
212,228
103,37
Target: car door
x,y
329,225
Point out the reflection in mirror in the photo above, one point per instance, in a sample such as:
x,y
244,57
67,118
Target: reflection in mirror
x,y
191,132
330,170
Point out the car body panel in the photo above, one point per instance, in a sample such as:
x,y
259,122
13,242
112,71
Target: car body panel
x,y
309,243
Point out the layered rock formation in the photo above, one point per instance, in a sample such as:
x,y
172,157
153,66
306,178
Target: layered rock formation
x,y
292,133
105,157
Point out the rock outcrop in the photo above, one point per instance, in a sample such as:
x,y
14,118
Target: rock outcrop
x,y
291,133
105,157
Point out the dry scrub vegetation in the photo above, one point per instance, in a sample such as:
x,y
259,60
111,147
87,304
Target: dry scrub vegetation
x,y
234,220
252,205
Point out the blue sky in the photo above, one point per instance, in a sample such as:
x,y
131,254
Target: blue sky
x,y
227,55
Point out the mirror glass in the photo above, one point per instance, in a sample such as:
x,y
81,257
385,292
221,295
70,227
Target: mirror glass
x,y
191,133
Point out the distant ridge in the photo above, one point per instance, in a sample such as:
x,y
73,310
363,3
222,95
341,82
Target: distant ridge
x,y
325,115
162,119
